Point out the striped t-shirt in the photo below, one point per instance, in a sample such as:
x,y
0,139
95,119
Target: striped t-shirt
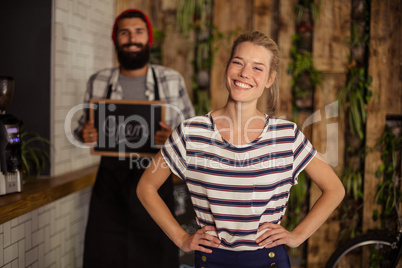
x,y
237,188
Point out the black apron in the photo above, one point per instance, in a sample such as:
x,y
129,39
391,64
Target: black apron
x,y
120,233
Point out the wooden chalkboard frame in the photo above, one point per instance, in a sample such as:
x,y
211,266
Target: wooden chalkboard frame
x,y
133,106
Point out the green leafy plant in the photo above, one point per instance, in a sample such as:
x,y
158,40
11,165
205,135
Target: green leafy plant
x,y
354,97
304,79
34,156
307,6
185,12
352,100
349,220
353,182
202,101
302,65
355,39
194,18
389,193
297,205
304,76
156,49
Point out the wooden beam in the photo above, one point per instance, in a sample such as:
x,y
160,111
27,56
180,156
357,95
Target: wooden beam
x,y
177,49
328,139
287,24
231,18
382,31
330,57
330,32
262,21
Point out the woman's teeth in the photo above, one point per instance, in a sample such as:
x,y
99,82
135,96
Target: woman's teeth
x,y
242,85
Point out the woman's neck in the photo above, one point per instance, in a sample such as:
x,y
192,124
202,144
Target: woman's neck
x,y
241,113
239,123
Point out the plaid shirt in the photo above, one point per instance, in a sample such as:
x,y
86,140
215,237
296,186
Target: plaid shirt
x,y
171,89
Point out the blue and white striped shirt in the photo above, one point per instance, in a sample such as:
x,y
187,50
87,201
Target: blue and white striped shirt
x,y
237,188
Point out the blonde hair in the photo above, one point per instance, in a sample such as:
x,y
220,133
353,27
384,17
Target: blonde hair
x,y
260,39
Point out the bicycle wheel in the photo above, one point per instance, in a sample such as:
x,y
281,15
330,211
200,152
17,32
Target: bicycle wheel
x,y
371,250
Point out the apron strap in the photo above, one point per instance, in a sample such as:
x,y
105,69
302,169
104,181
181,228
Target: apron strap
x,y
109,92
156,85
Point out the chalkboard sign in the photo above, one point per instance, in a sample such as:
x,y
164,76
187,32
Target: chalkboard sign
x,y
126,127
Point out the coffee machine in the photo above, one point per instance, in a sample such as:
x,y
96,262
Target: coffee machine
x,y
10,142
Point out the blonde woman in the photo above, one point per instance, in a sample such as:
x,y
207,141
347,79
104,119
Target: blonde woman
x,y
239,165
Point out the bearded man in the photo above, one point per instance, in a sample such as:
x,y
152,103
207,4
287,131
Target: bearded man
x,y
120,233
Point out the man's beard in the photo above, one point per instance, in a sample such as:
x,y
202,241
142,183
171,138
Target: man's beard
x,y
133,60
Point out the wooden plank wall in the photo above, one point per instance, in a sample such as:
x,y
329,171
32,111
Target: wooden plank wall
x,y
231,18
287,26
330,56
253,15
385,67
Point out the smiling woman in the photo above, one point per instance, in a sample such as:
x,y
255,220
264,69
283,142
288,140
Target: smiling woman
x,y
273,64
249,73
239,165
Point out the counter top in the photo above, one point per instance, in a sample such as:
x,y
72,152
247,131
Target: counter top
x,y
38,192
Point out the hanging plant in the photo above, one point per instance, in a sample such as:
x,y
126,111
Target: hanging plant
x,y
303,65
156,49
349,220
305,77
352,100
193,14
185,15
306,6
389,189
297,205
355,39
353,182
354,97
195,17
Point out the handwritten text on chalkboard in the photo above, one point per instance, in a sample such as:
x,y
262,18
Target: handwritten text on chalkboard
x,y
125,127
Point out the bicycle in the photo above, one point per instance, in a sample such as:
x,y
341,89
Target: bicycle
x,y
380,248
375,249
383,248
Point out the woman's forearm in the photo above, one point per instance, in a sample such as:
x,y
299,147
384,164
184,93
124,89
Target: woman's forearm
x,y
161,214
147,191
333,193
319,213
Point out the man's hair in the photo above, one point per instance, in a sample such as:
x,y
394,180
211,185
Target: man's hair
x,y
260,39
133,13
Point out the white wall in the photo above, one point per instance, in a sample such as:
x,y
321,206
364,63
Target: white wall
x,y
52,236
81,45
